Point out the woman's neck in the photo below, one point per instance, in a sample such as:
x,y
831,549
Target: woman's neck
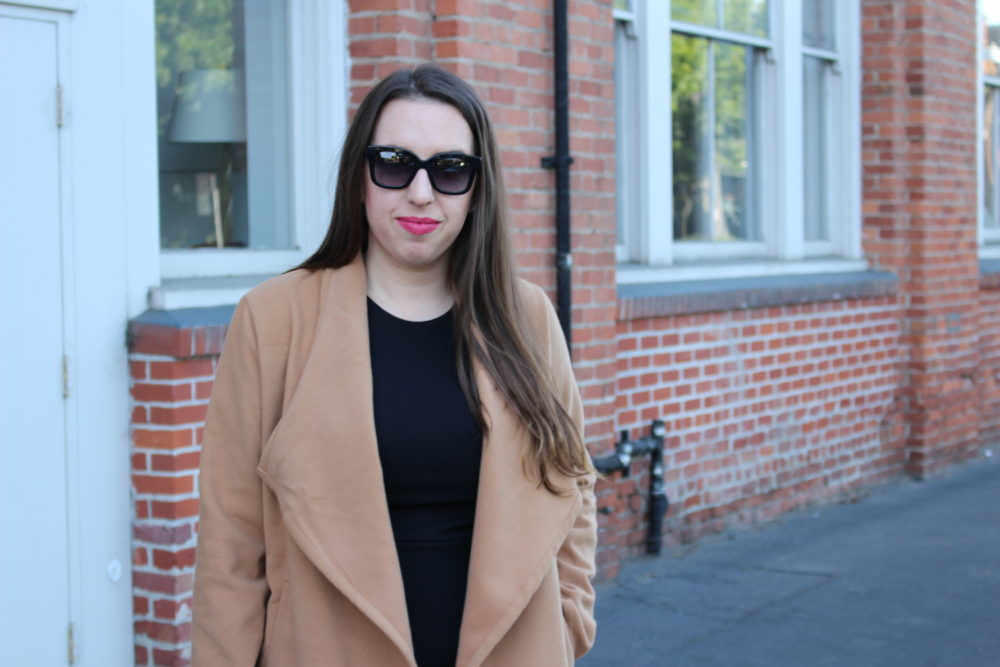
x,y
409,294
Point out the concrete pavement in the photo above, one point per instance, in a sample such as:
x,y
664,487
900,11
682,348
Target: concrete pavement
x,y
909,575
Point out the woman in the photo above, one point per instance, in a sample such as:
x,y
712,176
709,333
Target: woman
x,y
393,470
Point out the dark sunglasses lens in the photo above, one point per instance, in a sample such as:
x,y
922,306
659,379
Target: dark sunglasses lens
x,y
392,169
452,174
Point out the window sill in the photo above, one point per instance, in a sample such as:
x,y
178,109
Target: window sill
x,y
989,251
631,274
682,297
178,293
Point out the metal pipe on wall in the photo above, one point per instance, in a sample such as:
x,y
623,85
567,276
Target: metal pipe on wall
x,y
561,162
625,452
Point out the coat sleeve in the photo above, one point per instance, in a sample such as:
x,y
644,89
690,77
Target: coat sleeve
x,y
576,558
230,590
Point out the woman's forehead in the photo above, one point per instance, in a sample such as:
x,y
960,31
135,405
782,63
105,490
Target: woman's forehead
x,y
423,126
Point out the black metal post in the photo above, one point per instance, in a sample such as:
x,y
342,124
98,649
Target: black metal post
x,y
658,502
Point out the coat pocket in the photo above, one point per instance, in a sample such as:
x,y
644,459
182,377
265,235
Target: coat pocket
x,y
272,617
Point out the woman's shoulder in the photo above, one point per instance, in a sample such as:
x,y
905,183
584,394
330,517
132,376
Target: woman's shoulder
x,y
295,285
279,304
537,307
532,296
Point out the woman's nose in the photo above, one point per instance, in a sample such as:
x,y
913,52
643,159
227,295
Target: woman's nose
x,y
420,190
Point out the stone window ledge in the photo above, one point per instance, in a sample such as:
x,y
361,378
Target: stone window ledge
x,y
639,301
181,333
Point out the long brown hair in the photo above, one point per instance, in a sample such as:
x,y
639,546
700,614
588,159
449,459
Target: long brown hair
x,y
487,311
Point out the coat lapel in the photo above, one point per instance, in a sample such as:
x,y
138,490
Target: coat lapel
x,y
322,463
519,528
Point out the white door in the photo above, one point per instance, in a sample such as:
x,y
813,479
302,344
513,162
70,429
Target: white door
x,y
34,557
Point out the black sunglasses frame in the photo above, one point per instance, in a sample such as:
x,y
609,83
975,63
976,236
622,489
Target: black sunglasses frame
x,y
416,164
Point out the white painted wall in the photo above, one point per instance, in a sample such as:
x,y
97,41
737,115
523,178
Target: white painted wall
x,y
109,216
111,116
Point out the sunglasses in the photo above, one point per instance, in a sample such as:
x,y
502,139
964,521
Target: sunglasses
x,y
449,173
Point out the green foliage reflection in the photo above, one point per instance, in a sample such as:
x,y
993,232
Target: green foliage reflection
x,y
712,120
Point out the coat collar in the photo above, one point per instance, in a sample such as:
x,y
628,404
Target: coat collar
x,y
322,463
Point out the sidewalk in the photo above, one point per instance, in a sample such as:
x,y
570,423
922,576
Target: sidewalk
x,y
910,575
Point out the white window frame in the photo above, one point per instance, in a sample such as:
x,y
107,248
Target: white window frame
x,y
989,239
649,253
627,131
317,64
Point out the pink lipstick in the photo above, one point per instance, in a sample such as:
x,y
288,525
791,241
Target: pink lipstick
x,y
418,226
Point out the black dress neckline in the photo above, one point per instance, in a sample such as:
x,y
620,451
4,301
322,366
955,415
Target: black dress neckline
x,y
383,311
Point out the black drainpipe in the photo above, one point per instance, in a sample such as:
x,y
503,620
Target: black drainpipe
x,y
561,162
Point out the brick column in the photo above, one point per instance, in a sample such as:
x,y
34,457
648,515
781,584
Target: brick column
x,y
919,143
172,364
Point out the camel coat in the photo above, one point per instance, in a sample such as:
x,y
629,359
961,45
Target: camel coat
x,y
296,563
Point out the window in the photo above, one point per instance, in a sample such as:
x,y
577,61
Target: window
x,y
249,99
739,136
990,114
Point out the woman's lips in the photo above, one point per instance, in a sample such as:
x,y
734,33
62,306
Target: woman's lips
x,y
418,226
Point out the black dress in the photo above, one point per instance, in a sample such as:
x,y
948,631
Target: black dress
x,y
430,448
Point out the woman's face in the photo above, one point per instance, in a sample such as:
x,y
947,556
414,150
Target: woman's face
x,y
413,228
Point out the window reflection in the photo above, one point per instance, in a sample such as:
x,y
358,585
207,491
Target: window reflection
x,y
991,153
748,17
815,148
694,11
745,16
222,124
818,24
991,113
712,140
991,37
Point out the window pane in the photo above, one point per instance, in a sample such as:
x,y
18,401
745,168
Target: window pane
x,y
695,11
626,155
222,124
991,153
712,129
733,124
991,37
692,141
818,24
745,16
623,5
815,149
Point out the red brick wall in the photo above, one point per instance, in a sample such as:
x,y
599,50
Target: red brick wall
x,y
919,138
765,410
